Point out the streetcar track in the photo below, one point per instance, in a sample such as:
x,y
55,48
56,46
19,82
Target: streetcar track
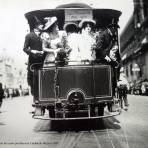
x,y
113,134
61,143
74,140
124,143
97,140
113,146
122,135
119,137
69,141
124,131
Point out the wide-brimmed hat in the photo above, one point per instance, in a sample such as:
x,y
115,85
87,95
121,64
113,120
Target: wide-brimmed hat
x,y
49,22
70,26
84,21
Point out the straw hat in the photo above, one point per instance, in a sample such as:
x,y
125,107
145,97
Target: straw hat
x,y
84,21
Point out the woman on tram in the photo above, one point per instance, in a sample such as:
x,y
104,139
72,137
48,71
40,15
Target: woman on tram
x,y
52,39
72,40
87,39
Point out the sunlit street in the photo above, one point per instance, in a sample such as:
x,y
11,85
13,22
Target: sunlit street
x,y
19,129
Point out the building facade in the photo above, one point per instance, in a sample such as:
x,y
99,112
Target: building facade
x,y
134,43
6,70
11,76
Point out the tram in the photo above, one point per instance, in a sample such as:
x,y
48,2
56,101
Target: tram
x,y
75,91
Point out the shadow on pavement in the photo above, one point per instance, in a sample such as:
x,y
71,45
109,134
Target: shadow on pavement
x,y
78,125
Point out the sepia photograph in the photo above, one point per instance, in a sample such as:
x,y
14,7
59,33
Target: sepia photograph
x,y
73,74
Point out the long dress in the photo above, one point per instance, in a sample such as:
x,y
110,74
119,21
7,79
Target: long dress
x,y
86,43
52,44
74,56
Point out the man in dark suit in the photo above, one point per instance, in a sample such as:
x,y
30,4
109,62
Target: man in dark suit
x,y
107,50
33,48
105,44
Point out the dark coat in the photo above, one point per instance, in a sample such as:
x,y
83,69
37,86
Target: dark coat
x,y
104,43
33,42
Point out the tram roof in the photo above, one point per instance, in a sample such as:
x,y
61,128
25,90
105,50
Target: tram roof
x,y
104,15
50,12
74,5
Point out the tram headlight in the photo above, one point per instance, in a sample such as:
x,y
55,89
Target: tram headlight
x,y
75,97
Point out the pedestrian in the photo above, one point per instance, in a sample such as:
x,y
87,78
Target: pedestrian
x,y
1,95
123,86
10,93
33,48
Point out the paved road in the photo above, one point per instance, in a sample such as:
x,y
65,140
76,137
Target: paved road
x,y
128,130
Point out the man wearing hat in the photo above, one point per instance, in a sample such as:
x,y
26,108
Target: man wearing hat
x,y
87,39
33,48
107,50
123,86
105,41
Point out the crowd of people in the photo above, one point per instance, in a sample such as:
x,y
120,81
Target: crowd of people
x,y
11,92
78,42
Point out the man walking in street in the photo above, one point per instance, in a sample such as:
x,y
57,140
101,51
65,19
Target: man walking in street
x,y
122,89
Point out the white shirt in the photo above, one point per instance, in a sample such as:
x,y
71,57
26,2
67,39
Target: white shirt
x,y
73,39
123,80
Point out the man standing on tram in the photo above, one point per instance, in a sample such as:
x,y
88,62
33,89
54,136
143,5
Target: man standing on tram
x,y
33,48
107,50
106,44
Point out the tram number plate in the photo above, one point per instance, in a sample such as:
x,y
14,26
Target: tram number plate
x,y
77,14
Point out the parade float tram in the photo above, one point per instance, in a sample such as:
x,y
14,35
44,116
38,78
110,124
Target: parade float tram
x,y
82,90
